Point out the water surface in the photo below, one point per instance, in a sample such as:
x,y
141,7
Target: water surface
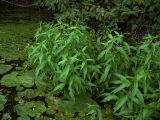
x,y
17,28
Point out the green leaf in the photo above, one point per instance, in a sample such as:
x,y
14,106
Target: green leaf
x,y
110,36
3,100
135,87
27,79
120,103
108,97
64,74
124,84
119,88
59,87
124,53
4,68
71,91
100,116
10,80
33,109
140,96
105,74
101,55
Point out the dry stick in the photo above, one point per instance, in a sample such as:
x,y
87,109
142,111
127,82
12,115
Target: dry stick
x,y
19,5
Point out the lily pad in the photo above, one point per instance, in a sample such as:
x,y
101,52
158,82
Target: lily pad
x,y
27,79
32,109
3,100
10,80
30,93
14,79
4,68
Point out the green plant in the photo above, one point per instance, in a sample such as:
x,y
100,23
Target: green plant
x,y
113,14
68,60
84,73
62,56
95,112
133,86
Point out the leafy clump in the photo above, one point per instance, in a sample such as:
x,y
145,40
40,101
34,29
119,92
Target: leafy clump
x,y
117,14
132,77
74,62
63,56
82,73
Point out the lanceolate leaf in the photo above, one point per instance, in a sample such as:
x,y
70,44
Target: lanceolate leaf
x,y
105,74
108,97
119,88
120,102
64,74
59,87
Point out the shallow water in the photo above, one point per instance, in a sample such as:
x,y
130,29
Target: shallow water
x,y
17,28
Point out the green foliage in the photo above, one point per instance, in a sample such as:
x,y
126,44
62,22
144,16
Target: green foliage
x,y
109,13
69,58
134,80
85,74
64,55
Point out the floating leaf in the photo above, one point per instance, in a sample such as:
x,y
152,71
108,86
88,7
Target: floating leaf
x,y
32,109
10,80
3,100
14,80
4,68
27,79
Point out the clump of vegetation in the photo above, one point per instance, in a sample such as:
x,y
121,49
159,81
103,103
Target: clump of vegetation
x,y
75,63
97,60
132,14
63,56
